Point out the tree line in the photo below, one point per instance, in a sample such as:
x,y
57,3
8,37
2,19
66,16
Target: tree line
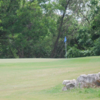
x,y
36,28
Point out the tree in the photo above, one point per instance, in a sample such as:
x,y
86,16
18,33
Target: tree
x,y
7,17
69,10
24,25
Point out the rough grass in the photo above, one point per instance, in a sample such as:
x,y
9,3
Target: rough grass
x,y
41,79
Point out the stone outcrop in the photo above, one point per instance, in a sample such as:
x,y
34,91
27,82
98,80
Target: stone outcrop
x,y
83,81
69,84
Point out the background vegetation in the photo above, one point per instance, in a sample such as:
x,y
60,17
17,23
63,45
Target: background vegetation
x,y
36,28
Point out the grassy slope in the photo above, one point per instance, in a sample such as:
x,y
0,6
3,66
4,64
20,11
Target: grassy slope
x,y
41,79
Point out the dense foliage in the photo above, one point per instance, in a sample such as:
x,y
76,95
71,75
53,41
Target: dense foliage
x,y
36,28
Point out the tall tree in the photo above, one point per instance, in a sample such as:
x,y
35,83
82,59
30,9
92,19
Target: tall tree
x,y
68,8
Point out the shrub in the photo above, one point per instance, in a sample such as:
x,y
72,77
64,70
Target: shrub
x,y
85,53
96,48
73,52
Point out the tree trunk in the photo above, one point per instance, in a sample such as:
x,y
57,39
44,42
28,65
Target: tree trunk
x,y
59,31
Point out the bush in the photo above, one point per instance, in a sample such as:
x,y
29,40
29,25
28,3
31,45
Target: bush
x,y
85,53
96,48
73,52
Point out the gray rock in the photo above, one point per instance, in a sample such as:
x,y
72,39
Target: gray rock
x,y
83,81
69,84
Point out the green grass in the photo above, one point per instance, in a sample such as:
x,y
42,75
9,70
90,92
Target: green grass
x,y
41,79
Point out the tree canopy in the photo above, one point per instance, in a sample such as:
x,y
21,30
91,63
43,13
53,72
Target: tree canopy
x,y
36,28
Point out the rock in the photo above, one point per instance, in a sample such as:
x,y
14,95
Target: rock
x,y
98,74
65,82
69,84
64,88
98,80
83,81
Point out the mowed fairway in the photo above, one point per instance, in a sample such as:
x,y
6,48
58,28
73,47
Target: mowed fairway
x,y
41,79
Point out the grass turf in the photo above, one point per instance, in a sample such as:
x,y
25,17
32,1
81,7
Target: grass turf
x,y
41,79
